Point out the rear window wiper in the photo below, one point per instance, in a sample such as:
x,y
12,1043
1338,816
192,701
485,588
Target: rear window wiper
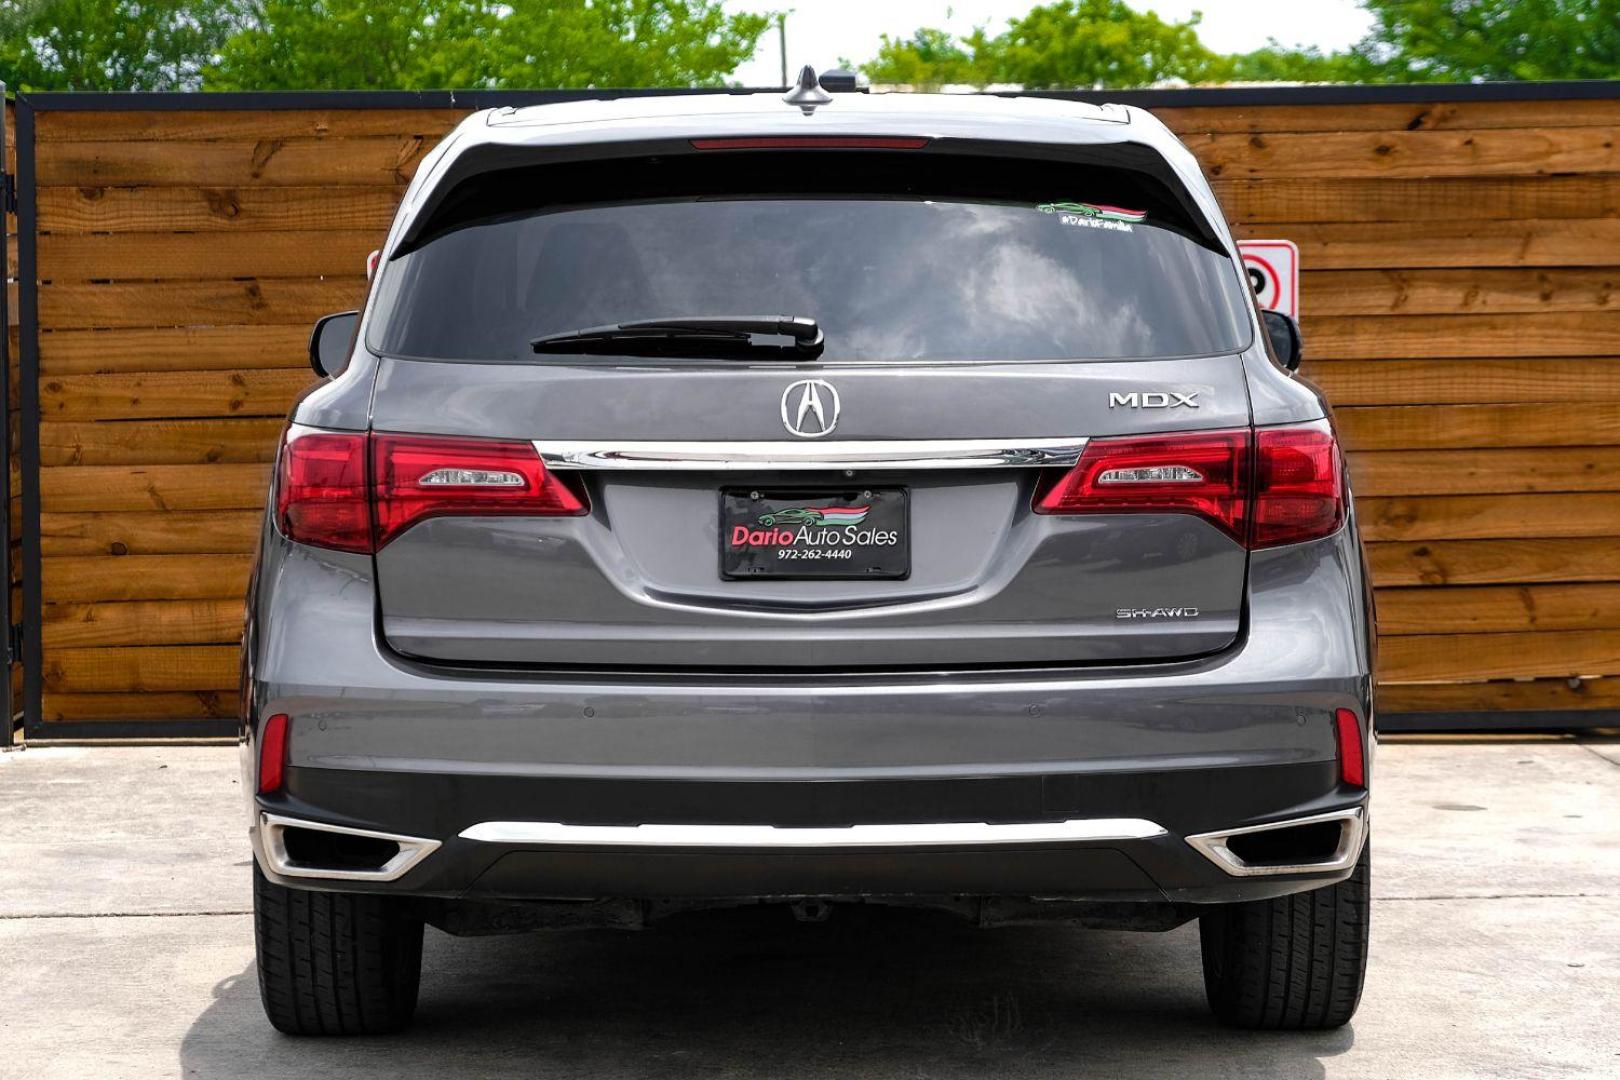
x,y
691,335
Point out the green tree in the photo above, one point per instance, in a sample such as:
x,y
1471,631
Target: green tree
x,y
1070,43
928,59
426,44
1097,43
111,44
1277,63
1490,40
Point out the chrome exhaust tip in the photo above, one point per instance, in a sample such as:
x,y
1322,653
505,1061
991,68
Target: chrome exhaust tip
x,y
1318,844
313,849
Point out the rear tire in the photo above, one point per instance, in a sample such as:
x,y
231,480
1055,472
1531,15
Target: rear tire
x,y
1293,963
335,963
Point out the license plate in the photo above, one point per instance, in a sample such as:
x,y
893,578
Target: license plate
x,y
815,533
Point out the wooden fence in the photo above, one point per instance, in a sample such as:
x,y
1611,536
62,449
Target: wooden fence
x,y
1461,250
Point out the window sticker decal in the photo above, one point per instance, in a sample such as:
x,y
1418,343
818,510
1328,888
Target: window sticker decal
x,y
1094,215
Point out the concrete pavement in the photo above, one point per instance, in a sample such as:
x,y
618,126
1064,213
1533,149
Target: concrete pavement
x,y
126,951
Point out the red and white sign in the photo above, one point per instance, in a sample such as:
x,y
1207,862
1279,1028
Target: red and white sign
x,y
1273,267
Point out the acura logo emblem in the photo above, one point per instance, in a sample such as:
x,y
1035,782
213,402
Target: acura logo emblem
x,y
810,408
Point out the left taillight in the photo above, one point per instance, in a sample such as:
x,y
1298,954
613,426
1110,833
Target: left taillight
x,y
356,491
322,496
417,476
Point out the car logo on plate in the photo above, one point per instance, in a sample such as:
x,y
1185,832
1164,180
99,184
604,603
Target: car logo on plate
x,y
810,408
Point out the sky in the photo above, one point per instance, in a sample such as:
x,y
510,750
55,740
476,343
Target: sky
x,y
820,31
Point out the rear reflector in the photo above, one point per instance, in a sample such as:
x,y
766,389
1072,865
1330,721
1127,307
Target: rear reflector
x,y
1277,486
1352,766
272,754
1203,473
811,142
353,491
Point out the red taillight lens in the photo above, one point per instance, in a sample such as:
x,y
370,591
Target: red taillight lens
x,y
1205,473
1352,765
355,492
1295,493
272,753
419,477
321,495
1298,485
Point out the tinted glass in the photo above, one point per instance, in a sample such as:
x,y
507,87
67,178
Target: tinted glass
x,y
888,278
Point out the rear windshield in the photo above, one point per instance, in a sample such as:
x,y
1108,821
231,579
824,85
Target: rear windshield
x,y
1070,263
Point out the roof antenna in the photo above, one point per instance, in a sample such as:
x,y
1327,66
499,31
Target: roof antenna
x,y
808,95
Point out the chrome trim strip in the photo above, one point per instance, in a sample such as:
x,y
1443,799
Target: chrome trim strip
x,y
770,456
412,850
1353,831
952,834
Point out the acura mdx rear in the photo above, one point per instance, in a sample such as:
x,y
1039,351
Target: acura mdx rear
x,y
853,500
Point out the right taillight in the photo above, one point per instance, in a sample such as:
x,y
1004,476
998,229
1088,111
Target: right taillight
x,y
1298,485
1263,488
356,491
1203,473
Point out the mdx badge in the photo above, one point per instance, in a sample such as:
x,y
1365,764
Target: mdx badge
x,y
1153,400
810,408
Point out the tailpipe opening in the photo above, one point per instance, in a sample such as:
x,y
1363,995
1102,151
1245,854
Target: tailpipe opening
x,y
1321,843
314,849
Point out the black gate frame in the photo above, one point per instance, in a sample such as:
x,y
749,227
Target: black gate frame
x,y
24,640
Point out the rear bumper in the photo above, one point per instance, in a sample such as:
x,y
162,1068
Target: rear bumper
x,y
1034,836
1240,739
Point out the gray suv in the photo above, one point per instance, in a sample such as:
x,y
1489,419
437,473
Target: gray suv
x,y
848,499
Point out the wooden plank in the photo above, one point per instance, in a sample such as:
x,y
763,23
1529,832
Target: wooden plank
x,y
1425,200
219,348
1499,609
1464,382
266,301
1441,427
1460,292
1514,152
159,442
1391,116
203,532
1539,695
1447,242
192,256
236,210
74,579
167,126
1485,517
174,705
158,667
1462,657
152,487
1474,472
1494,562
385,161
1585,333
142,622
162,394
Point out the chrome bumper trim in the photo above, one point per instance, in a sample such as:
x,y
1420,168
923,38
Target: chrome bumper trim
x,y
1352,833
412,850
777,456
954,834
